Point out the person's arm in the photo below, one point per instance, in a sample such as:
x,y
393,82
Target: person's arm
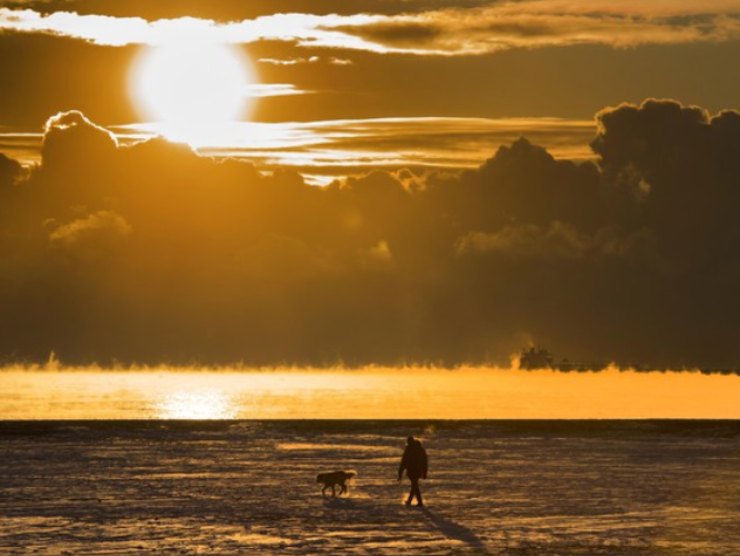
x,y
425,463
404,463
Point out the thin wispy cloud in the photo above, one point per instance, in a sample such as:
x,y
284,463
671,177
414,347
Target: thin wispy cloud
x,y
333,60
289,61
259,90
445,32
335,147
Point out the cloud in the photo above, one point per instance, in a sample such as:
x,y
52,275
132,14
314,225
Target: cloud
x,y
559,240
332,60
289,61
540,23
339,147
442,32
10,171
70,135
103,225
256,90
146,251
678,159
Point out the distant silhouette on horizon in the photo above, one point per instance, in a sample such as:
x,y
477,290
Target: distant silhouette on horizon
x,y
415,462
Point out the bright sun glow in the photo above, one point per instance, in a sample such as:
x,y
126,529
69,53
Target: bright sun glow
x,y
196,405
191,89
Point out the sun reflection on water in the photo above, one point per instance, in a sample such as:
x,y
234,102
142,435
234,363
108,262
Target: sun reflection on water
x,y
197,405
373,393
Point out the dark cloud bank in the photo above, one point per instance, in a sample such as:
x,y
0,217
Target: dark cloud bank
x,y
152,254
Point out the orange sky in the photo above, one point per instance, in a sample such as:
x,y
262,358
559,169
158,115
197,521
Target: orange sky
x,y
408,393
491,175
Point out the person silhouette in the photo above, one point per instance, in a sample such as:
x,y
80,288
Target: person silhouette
x,y
415,463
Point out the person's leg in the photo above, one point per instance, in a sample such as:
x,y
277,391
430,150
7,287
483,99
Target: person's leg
x,y
415,492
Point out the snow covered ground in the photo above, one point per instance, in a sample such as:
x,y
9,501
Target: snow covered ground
x,y
498,487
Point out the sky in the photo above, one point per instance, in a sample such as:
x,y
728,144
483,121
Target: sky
x,y
369,182
465,60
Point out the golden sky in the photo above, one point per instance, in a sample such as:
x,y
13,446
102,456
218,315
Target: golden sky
x,y
369,393
481,72
490,174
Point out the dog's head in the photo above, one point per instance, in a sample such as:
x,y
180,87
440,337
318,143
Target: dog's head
x,y
350,474
320,477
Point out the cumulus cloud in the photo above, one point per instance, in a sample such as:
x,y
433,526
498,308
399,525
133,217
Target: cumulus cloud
x,y
680,161
103,224
447,31
10,171
559,240
149,252
68,136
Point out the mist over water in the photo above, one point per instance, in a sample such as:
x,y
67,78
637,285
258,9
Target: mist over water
x,y
371,393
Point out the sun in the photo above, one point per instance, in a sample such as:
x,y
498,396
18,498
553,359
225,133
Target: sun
x,y
189,90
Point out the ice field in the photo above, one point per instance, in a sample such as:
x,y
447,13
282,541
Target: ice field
x,y
495,487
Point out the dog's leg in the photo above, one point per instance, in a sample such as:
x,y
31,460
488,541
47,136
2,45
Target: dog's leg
x,y
333,491
323,490
343,490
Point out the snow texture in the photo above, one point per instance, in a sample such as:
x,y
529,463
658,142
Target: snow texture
x,y
495,487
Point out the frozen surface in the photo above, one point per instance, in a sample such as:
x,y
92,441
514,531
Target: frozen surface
x,y
498,487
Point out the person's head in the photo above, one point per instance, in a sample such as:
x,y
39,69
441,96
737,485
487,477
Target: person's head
x,y
410,441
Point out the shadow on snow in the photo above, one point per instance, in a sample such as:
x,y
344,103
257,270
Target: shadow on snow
x,y
455,531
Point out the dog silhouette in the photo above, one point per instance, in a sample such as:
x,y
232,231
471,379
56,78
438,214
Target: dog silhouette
x,y
333,479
